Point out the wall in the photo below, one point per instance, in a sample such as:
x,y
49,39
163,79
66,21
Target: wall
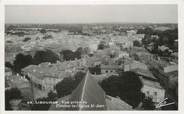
x,y
156,98
171,68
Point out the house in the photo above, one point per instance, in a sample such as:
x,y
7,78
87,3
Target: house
x,y
20,82
139,37
40,77
163,48
153,90
142,55
123,54
8,71
128,44
93,47
162,28
46,75
122,41
136,37
174,55
154,36
134,65
110,69
151,87
93,61
131,32
88,95
171,68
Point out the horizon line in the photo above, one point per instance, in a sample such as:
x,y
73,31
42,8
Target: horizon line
x,y
102,23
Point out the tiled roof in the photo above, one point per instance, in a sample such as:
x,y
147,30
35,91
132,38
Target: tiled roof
x,y
151,83
89,91
145,73
45,70
110,67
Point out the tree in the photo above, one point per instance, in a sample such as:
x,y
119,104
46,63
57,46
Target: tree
x,y
137,43
102,45
26,39
11,94
78,77
75,29
20,34
148,104
78,52
8,28
86,50
168,38
44,106
127,86
43,31
64,87
147,39
136,57
147,30
21,61
24,105
45,56
8,64
68,55
68,84
52,95
47,37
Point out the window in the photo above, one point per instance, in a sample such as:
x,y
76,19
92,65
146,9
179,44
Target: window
x,y
155,93
147,92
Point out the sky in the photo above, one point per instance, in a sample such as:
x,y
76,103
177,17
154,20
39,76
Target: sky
x,y
91,14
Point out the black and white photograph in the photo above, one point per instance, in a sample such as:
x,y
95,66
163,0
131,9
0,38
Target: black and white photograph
x,y
91,57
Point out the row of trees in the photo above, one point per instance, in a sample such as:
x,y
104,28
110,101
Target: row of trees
x,y
21,60
70,55
40,56
167,38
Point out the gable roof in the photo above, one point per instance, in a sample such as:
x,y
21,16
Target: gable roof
x,y
90,92
150,83
145,73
